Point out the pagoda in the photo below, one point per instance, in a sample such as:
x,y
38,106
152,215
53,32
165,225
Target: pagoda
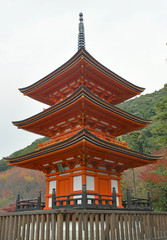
x,y
82,122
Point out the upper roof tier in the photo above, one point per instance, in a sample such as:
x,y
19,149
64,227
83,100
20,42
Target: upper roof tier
x,y
81,69
81,110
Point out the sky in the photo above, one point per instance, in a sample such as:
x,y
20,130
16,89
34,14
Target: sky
x,y
36,37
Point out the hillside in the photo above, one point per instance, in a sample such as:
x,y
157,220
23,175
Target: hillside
x,y
150,106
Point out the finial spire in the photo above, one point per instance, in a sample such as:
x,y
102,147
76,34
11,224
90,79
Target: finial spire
x,y
81,35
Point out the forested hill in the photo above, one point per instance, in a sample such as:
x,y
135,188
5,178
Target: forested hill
x,y
150,106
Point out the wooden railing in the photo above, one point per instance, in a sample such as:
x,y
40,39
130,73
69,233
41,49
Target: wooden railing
x,y
84,200
29,204
83,225
143,204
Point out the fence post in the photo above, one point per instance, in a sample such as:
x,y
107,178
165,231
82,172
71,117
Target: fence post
x,y
59,226
114,198
17,202
53,198
128,199
84,196
149,201
39,201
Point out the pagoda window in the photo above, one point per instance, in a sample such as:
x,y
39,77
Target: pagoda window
x,y
77,183
90,183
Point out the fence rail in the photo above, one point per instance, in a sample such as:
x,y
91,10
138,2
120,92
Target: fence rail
x,y
83,225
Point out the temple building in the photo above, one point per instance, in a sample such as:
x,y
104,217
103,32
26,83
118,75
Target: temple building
x,y
82,122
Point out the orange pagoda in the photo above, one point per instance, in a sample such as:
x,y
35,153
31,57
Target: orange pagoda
x,y
82,122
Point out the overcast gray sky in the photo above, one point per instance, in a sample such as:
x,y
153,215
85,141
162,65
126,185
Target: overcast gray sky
x,y
36,36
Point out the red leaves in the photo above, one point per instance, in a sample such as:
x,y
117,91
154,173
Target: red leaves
x,y
156,173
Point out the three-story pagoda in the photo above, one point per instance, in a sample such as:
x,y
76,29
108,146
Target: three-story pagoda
x,y
82,123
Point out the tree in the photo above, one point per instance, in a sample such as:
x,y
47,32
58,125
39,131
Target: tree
x,y
155,178
16,180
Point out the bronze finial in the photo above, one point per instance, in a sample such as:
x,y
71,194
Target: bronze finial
x,y
81,35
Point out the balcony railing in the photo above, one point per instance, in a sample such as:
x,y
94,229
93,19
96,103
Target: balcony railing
x,y
29,205
84,200
143,204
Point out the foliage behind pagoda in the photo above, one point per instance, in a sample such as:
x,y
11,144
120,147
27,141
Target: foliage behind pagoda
x,y
150,106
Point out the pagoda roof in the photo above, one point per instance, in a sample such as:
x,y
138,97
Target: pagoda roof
x,y
94,111
82,68
83,142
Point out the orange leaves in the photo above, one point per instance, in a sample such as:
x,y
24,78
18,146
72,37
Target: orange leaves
x,y
18,180
29,178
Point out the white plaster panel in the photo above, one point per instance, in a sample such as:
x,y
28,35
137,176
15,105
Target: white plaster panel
x,y
114,183
52,184
50,202
117,199
90,183
77,183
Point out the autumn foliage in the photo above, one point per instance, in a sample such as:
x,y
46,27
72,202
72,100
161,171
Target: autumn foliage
x,y
155,179
18,180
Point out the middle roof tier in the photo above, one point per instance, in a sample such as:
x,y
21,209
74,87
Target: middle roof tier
x,y
81,110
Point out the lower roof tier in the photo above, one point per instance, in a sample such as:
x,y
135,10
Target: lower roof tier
x,y
82,110
83,148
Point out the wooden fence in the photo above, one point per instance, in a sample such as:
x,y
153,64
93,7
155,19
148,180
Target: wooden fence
x,y
83,225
